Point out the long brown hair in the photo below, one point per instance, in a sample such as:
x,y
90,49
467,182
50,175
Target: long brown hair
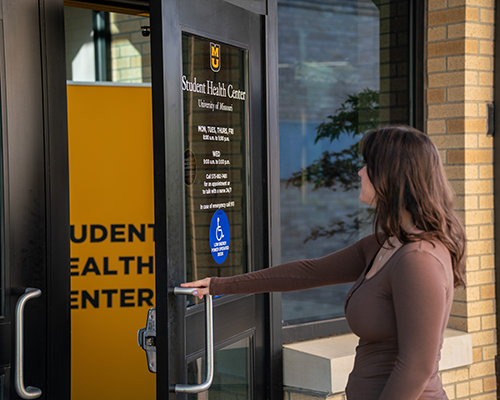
x,y
405,170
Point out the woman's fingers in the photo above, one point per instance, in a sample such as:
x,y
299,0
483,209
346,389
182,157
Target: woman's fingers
x,y
201,292
193,284
203,286
199,283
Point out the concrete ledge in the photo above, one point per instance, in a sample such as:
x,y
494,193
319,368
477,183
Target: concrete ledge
x,y
301,394
456,351
323,365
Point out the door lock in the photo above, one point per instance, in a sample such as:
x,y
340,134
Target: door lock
x,y
146,337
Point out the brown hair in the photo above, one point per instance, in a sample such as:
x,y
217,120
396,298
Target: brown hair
x,y
405,170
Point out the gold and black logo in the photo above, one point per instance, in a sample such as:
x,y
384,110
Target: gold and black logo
x,y
215,57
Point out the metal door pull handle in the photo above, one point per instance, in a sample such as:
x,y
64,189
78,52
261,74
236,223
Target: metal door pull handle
x,y
29,392
209,344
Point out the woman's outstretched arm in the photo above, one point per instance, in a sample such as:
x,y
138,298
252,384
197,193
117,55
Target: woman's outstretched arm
x,y
343,266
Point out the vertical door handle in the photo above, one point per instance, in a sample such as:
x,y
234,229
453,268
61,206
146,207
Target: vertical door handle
x,y
29,392
209,344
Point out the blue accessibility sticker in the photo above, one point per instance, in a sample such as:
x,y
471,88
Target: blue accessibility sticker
x,y
220,236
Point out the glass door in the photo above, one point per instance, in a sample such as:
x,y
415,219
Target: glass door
x,y
207,83
34,245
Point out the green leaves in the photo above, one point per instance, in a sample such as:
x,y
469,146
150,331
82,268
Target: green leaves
x,y
357,221
358,114
333,170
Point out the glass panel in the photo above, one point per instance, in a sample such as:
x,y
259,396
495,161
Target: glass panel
x,y
2,379
103,46
232,373
111,206
343,69
214,85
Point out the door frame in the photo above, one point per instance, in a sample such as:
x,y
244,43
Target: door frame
x,y
275,327
57,193
36,189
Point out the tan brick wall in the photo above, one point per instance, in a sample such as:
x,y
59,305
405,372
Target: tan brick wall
x,y
130,51
459,85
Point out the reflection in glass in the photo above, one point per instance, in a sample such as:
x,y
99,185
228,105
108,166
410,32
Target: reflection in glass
x,y
102,46
232,377
343,69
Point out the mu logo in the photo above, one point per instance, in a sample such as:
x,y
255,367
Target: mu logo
x,y
215,57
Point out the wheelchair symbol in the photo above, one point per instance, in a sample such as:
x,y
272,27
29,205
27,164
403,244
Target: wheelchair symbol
x,y
218,232
220,236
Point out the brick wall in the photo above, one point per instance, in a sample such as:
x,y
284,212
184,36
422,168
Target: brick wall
x,y
459,85
130,51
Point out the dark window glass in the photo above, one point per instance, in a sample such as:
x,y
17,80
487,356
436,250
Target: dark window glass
x,y
343,69
232,373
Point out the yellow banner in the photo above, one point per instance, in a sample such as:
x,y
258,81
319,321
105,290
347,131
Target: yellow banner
x,y
112,240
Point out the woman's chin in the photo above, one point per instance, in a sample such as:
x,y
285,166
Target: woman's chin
x,y
368,202
364,201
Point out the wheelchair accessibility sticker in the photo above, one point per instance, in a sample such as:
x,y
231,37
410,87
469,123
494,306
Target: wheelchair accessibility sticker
x,y
220,236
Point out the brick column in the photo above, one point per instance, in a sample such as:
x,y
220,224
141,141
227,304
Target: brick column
x,y
459,85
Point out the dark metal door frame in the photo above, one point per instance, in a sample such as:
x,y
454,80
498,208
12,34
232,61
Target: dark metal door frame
x,y
275,333
57,194
36,187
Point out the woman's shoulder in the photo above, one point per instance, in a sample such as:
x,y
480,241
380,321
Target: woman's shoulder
x,y
430,257
430,248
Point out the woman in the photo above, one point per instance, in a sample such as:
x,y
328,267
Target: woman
x,y
404,275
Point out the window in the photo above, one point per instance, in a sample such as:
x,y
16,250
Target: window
x,y
344,67
102,46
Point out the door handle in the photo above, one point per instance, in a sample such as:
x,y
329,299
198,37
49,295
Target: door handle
x,y
209,344
29,392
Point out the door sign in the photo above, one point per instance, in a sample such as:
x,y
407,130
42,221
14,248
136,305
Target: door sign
x,y
219,236
112,238
214,84
215,57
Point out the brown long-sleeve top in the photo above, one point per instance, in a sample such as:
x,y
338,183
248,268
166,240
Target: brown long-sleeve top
x,y
400,313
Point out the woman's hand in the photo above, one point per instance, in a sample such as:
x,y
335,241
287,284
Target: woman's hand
x,y
202,284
